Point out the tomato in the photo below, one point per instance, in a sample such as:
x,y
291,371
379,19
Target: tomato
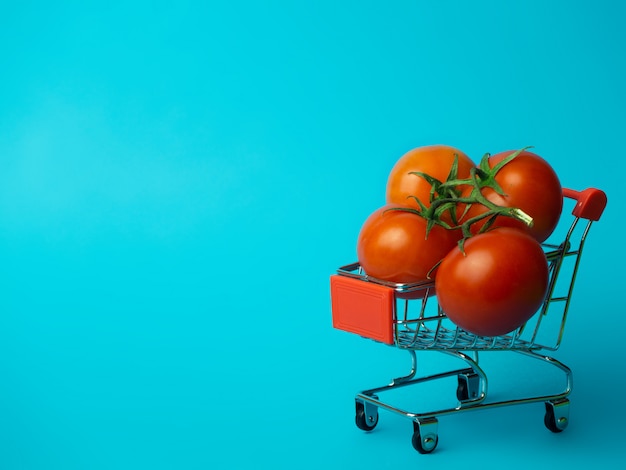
x,y
530,184
498,284
434,160
392,246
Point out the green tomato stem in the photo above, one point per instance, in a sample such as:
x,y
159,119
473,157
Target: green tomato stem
x,y
445,197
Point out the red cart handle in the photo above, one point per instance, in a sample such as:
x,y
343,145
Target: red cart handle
x,y
591,202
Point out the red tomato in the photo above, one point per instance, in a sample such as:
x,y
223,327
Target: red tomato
x,y
392,246
530,184
434,160
498,284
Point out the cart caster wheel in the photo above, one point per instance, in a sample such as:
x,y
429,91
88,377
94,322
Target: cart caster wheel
x,y
366,416
556,418
425,437
468,387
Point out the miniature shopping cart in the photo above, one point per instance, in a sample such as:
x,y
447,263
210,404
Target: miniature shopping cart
x,y
408,317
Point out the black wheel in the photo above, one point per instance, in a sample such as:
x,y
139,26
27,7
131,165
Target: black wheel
x,y
550,423
462,392
426,444
468,387
363,421
550,419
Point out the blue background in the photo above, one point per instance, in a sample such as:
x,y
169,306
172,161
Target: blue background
x,y
179,179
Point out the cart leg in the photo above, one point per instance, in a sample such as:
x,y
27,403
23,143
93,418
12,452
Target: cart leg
x,y
410,375
425,437
556,418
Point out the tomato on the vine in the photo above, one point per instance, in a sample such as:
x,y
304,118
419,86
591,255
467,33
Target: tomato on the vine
x,y
403,185
530,184
496,284
393,245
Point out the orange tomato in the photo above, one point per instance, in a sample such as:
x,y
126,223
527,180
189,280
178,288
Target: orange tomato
x,y
434,160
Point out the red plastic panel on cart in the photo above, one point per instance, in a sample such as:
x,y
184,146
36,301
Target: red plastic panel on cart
x,y
590,202
362,307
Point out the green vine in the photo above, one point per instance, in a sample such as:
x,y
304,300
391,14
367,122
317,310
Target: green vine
x,y
445,197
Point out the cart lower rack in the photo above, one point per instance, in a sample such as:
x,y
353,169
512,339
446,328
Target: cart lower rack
x,y
408,317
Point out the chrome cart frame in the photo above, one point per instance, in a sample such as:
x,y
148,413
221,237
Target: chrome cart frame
x,y
408,317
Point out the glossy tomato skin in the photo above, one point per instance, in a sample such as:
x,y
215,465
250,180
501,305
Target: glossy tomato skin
x,y
530,184
434,160
392,246
497,286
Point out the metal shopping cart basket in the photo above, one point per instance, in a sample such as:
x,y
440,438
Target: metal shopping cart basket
x,y
407,316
